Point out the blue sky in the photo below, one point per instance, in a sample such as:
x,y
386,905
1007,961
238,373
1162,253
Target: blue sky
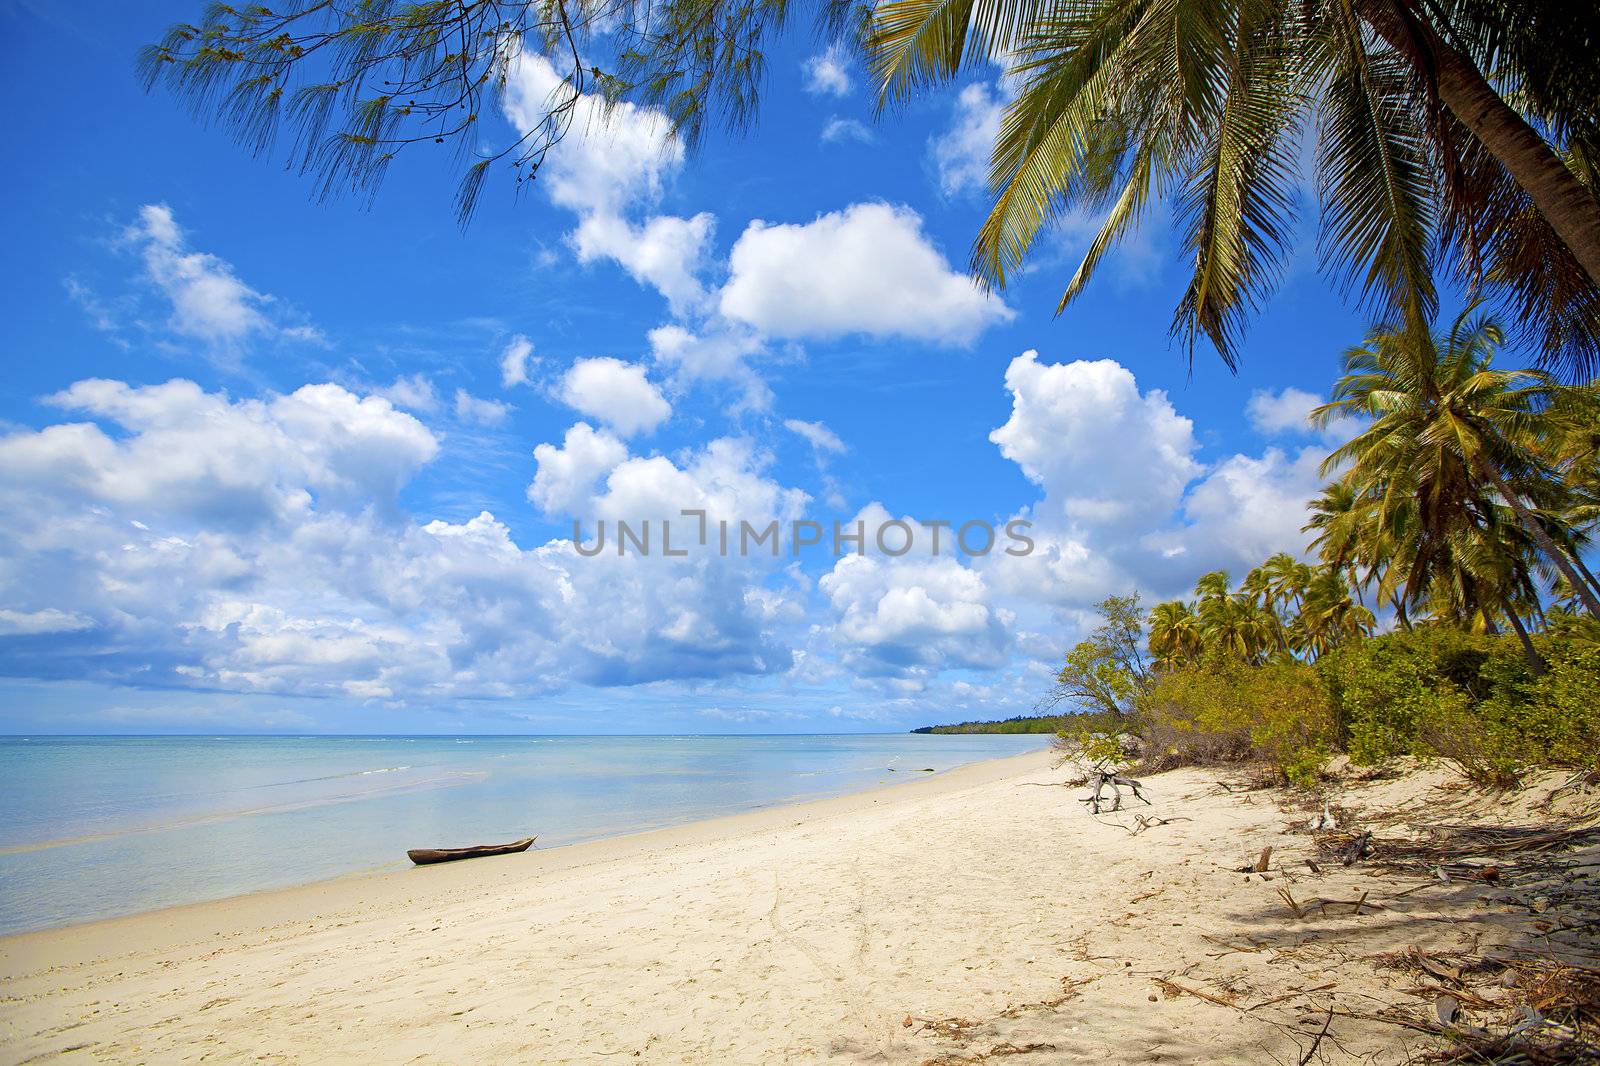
x,y
270,464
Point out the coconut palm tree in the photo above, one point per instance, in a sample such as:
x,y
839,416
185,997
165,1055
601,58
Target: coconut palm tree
x,y
1328,614
1287,582
1338,516
1175,638
1451,438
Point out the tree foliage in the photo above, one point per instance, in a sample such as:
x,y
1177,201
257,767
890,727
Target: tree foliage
x,y
1466,489
1105,672
1283,609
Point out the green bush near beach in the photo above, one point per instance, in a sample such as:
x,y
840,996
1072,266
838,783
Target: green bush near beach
x,y
1471,698
1461,508
1432,692
1227,711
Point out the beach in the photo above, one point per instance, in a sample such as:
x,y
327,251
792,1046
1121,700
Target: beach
x,y
978,913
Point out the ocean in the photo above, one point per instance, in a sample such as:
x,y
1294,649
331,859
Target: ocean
x,y
95,827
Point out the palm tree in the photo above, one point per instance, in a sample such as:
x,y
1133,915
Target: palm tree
x,y
1211,588
1452,440
1175,638
1233,624
1339,517
1328,615
1287,581
1125,102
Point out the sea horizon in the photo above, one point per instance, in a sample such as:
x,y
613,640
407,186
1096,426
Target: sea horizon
x,y
106,825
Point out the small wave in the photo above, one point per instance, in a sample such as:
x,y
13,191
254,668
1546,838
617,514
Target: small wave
x,y
383,770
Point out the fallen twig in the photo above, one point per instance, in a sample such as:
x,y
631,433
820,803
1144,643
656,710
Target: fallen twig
x,y
1174,987
1312,1050
1291,995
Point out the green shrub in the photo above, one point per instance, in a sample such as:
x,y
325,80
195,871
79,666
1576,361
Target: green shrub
x,y
1389,690
1552,719
1470,698
1100,737
1223,711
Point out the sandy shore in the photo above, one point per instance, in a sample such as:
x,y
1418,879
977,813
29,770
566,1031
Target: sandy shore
x,y
981,913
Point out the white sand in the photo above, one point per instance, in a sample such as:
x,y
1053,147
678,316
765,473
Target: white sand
x,y
989,911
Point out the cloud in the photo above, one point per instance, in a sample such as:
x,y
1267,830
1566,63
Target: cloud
x,y
470,408
199,455
816,434
913,617
1107,455
165,536
719,352
611,158
257,546
666,252
1126,500
412,391
209,302
868,269
514,361
613,162
1288,413
616,393
45,620
826,74
567,475
961,153
1247,508
846,129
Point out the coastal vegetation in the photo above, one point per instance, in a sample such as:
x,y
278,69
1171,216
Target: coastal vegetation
x,y
1459,508
1048,723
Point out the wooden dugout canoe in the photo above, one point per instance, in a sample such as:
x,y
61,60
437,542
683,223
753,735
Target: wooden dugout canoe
x,y
428,856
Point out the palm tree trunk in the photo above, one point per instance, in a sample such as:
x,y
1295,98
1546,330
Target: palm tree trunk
x,y
1536,663
1400,611
1567,205
1540,537
1577,560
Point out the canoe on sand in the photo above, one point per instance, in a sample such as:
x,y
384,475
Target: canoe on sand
x,y
428,856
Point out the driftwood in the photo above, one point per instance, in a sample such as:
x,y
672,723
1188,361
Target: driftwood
x,y
1357,849
1143,822
1102,778
1262,863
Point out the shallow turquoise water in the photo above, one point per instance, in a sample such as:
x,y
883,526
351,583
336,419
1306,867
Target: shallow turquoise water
x,y
100,826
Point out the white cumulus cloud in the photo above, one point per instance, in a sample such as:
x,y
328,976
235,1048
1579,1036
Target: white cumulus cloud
x,y
1106,454
867,269
566,476
180,538
665,252
615,392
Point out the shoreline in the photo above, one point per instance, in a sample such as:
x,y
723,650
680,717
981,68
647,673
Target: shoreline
x,y
978,913
283,903
367,832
